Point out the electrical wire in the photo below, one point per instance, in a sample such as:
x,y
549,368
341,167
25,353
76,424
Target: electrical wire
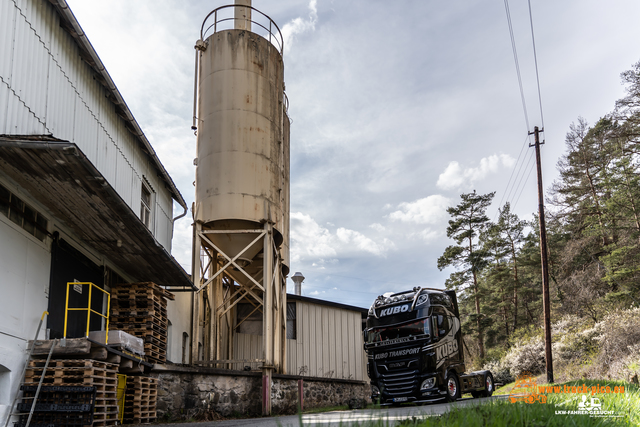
x,y
515,166
518,189
528,167
515,58
535,58
518,179
523,187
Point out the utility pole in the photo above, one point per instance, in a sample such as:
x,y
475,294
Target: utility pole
x,y
545,261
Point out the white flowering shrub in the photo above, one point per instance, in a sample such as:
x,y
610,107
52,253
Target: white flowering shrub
x,y
525,356
618,337
609,349
616,332
568,323
575,347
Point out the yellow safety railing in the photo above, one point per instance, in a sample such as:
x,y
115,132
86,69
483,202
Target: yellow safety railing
x,y
89,310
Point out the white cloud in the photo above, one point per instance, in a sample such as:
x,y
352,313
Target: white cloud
x,y
429,210
378,227
300,26
311,241
361,242
428,235
454,177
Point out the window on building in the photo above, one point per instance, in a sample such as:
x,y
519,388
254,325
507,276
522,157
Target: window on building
x,y
248,318
23,215
185,348
145,206
291,321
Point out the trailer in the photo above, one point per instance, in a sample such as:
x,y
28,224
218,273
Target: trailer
x,y
414,349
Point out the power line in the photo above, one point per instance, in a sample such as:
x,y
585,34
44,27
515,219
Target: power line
x,y
524,173
535,58
515,166
518,179
523,187
515,58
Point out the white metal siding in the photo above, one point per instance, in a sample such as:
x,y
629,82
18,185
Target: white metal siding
x,y
247,347
328,343
46,88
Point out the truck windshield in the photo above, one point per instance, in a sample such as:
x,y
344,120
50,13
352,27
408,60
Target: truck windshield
x,y
413,329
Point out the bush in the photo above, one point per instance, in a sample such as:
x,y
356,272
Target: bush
x,y
617,336
527,356
575,347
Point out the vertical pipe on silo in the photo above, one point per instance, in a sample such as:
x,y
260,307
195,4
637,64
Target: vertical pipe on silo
x,y
242,15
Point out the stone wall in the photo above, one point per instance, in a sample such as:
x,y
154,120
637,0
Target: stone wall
x,y
187,392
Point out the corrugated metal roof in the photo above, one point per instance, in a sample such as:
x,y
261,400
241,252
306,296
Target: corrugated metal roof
x,y
62,178
294,297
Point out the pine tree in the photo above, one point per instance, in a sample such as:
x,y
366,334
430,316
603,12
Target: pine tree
x,y
468,221
505,238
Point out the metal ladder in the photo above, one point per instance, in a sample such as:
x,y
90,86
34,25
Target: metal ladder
x,y
24,370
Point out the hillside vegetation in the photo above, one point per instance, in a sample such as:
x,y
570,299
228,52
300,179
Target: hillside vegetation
x,y
593,233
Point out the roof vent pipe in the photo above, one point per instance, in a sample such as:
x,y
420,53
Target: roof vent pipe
x,y
298,278
242,15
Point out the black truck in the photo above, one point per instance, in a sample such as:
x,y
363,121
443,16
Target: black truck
x,y
414,349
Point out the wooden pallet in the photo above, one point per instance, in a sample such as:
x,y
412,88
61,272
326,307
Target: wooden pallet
x,y
138,312
139,323
140,400
154,353
147,285
73,363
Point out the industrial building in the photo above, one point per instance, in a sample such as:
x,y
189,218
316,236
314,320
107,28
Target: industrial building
x,y
83,195
84,198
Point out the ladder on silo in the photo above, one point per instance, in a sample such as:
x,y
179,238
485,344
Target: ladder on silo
x,y
24,370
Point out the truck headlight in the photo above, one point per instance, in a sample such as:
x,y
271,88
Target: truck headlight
x,y
375,390
428,383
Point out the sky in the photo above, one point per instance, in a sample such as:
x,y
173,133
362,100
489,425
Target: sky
x,y
397,108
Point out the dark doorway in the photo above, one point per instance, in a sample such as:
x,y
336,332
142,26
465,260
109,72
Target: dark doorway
x,y
67,265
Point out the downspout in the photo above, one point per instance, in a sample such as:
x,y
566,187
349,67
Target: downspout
x,y
177,218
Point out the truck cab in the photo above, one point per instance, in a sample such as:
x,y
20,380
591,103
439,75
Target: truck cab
x,y
414,351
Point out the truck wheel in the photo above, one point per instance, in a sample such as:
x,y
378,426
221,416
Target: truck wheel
x,y
489,385
453,388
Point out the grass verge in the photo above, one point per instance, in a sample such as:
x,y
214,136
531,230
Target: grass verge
x,y
624,409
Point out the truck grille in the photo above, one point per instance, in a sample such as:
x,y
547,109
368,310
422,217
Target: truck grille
x,y
400,383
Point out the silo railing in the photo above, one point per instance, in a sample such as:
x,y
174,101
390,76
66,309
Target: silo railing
x,y
219,20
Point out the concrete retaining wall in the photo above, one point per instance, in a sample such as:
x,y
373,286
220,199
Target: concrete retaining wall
x,y
186,392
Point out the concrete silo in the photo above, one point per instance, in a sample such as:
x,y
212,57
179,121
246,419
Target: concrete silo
x,y
241,209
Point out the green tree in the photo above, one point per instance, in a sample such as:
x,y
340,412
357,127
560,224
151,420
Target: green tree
x,y
468,221
504,239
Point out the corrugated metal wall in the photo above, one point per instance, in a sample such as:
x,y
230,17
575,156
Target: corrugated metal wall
x,y
46,88
328,343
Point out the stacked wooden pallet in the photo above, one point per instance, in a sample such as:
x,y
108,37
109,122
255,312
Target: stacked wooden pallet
x,y
140,309
141,397
77,373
